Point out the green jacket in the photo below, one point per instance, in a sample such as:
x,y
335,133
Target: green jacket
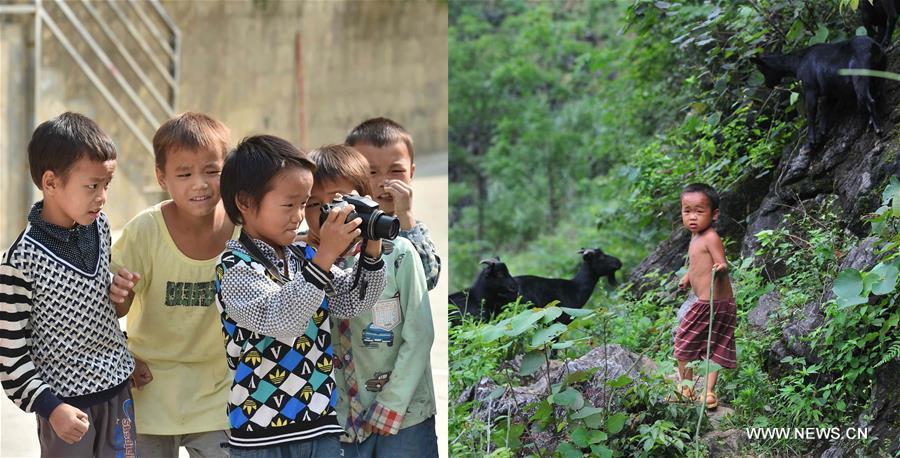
x,y
391,348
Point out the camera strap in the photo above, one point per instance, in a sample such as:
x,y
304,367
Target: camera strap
x,y
358,273
259,257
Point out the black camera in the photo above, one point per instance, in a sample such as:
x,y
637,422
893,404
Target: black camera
x,y
376,224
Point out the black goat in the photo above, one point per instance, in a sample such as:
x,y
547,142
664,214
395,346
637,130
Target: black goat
x,y
879,18
572,293
493,289
817,68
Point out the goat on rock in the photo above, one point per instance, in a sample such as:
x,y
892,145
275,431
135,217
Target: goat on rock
x,y
493,289
817,68
572,293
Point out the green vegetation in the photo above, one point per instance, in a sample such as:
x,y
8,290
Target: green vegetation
x,y
575,124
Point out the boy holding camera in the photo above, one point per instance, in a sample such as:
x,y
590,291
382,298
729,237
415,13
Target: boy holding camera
x,y
276,298
387,400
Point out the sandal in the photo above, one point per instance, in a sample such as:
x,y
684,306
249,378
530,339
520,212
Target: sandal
x,y
711,401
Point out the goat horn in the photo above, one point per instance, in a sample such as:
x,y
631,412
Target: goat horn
x,y
490,261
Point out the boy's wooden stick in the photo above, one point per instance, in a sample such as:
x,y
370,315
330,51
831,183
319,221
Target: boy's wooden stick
x,y
712,301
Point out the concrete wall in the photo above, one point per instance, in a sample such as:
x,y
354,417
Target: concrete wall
x,y
307,71
15,122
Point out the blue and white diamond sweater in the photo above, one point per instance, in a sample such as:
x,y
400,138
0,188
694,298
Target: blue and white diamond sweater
x,y
278,341
60,340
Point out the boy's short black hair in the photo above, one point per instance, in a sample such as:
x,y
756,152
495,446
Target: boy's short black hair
x,y
57,144
706,190
250,167
381,132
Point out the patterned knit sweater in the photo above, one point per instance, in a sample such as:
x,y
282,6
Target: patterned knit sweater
x,y
60,340
278,341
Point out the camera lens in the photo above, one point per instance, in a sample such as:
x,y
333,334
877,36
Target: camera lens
x,y
378,225
386,226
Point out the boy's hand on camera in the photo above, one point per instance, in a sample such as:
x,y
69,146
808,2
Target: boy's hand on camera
x,y
141,375
402,195
335,235
122,285
69,423
719,268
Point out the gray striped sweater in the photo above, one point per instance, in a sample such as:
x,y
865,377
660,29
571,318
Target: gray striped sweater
x,y
60,340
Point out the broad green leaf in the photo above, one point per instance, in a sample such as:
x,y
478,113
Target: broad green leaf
x,y
580,376
580,437
890,190
844,302
531,362
619,381
598,436
566,450
585,412
562,345
547,334
594,421
703,370
493,332
896,204
794,97
869,279
569,397
886,278
848,284
821,35
515,433
601,451
796,31
524,321
551,313
616,422
576,313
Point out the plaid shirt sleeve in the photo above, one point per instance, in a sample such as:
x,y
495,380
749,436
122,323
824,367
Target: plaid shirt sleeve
x,y
431,262
380,419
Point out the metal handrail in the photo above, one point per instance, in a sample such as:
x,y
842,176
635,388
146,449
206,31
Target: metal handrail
x,y
152,28
167,108
117,75
51,24
143,44
172,51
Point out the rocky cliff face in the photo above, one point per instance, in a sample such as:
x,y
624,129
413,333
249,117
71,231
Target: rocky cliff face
x,y
852,167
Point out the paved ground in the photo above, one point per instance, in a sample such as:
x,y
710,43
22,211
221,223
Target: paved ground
x,y
18,430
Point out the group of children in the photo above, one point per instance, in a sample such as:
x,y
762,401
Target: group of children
x,y
326,346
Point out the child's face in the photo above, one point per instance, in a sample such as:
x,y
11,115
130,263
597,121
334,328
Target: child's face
x,y
696,213
322,193
81,193
277,216
191,177
388,163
